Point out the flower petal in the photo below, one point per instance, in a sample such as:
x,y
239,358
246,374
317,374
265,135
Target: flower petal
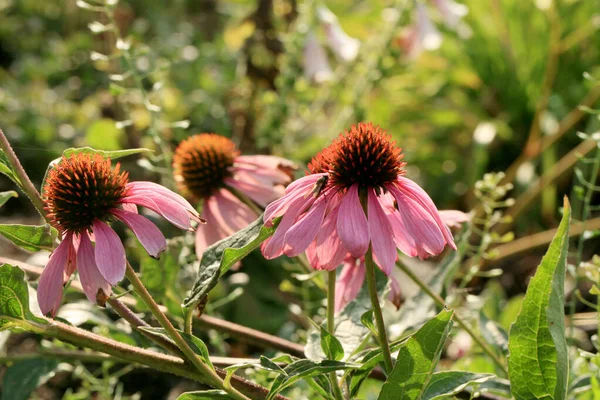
x,y
349,283
50,286
304,231
141,186
382,237
147,233
330,251
169,210
110,255
208,234
91,279
453,218
352,224
260,194
233,213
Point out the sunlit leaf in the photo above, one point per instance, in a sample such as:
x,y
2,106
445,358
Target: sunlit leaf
x,y
448,383
30,237
5,196
14,297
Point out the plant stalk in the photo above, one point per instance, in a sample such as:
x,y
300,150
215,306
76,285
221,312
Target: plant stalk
x,y
337,393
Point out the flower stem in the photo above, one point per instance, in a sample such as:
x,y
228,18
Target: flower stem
x,y
25,183
174,334
440,302
382,333
331,327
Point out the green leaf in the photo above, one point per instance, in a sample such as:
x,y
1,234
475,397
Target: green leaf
x,y
538,363
302,369
5,196
417,359
496,386
493,333
421,307
367,320
21,379
349,329
221,256
105,134
448,383
6,169
112,154
30,237
205,395
331,346
14,297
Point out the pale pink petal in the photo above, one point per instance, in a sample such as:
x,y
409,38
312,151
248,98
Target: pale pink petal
x,y
311,255
208,234
402,235
304,182
232,210
267,162
382,237
147,233
260,194
130,207
157,191
349,283
395,295
273,247
266,176
453,218
50,286
91,279
304,231
415,192
172,212
110,255
352,224
71,265
294,204
330,251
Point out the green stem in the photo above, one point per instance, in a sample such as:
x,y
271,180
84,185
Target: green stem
x,y
381,331
174,334
331,328
24,182
440,302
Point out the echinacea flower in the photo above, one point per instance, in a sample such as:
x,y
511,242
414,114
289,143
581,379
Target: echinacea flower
x,y
356,197
316,65
208,168
82,195
343,46
352,276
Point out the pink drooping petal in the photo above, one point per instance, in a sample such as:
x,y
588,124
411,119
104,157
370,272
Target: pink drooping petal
x,y
130,207
147,233
142,187
304,231
266,177
349,283
71,264
233,212
294,206
267,162
419,195
415,226
330,251
172,212
311,255
395,295
382,237
352,224
453,218
50,286
208,234
110,255
91,279
402,235
260,194
304,182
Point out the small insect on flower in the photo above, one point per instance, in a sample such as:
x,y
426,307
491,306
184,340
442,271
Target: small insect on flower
x,y
83,195
208,168
356,197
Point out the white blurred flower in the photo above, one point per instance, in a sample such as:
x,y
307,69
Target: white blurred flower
x,y
460,346
451,11
343,46
422,35
316,65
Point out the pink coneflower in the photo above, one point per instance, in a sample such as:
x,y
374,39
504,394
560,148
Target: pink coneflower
x,y
208,168
355,197
352,276
83,194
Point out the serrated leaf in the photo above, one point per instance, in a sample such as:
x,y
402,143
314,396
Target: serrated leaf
x,y
331,345
448,383
21,379
417,359
14,297
5,196
302,369
205,395
221,256
538,363
30,237
113,155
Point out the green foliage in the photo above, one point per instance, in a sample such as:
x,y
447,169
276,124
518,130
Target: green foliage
x,y
205,395
7,170
221,256
30,237
449,383
5,196
112,154
14,297
22,378
331,345
538,363
417,359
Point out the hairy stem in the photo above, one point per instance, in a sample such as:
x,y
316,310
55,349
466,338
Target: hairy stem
x,y
25,183
440,302
174,334
331,328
